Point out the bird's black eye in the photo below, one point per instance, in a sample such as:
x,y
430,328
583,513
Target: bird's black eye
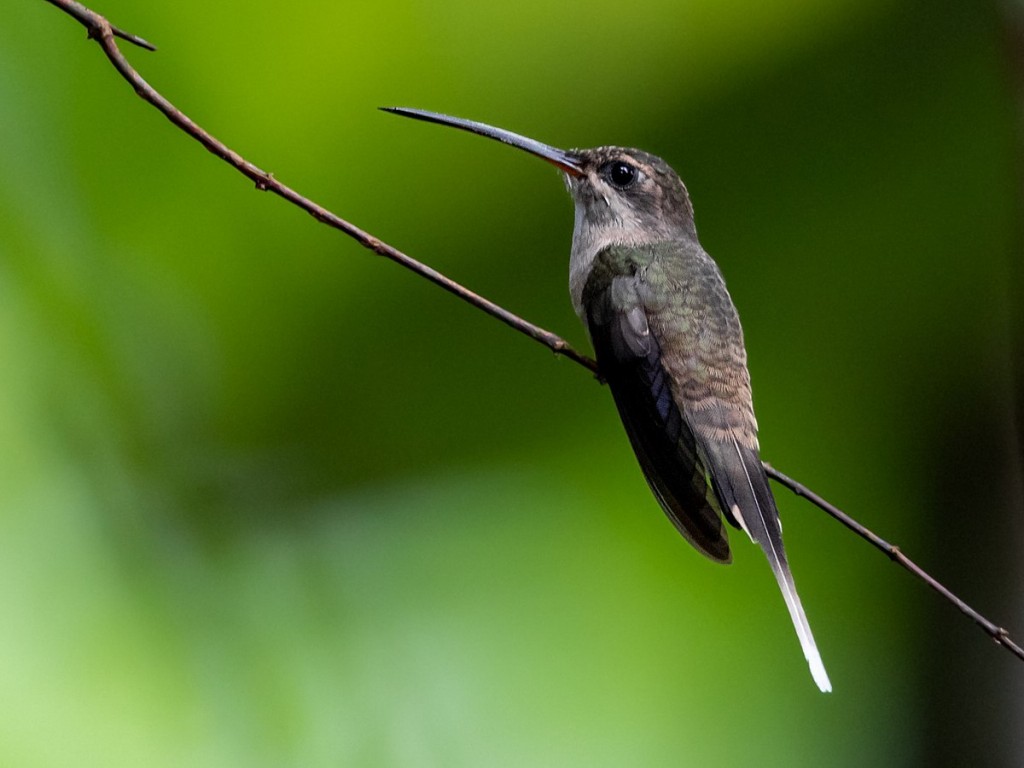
x,y
620,173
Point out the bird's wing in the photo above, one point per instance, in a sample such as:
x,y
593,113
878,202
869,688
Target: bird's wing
x,y
630,360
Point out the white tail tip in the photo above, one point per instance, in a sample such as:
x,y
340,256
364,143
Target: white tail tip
x,y
818,672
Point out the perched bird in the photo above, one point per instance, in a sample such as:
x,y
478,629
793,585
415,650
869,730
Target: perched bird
x,y
669,344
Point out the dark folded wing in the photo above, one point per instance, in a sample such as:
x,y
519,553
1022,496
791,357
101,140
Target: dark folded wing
x,y
630,361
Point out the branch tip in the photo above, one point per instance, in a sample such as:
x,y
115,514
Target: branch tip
x,y
133,39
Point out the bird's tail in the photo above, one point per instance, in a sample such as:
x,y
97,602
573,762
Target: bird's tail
x,y
742,488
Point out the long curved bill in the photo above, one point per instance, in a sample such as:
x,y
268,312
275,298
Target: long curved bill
x,y
553,155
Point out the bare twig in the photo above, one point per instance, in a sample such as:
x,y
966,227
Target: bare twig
x,y
104,33
997,633
96,25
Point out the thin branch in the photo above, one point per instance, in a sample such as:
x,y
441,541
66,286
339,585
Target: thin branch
x,y
997,633
96,24
104,33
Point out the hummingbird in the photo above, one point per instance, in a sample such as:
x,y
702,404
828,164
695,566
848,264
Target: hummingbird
x,y
670,347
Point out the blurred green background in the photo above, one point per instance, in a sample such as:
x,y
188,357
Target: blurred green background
x,y
268,500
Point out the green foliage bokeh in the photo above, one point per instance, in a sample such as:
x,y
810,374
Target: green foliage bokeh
x,y
266,499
